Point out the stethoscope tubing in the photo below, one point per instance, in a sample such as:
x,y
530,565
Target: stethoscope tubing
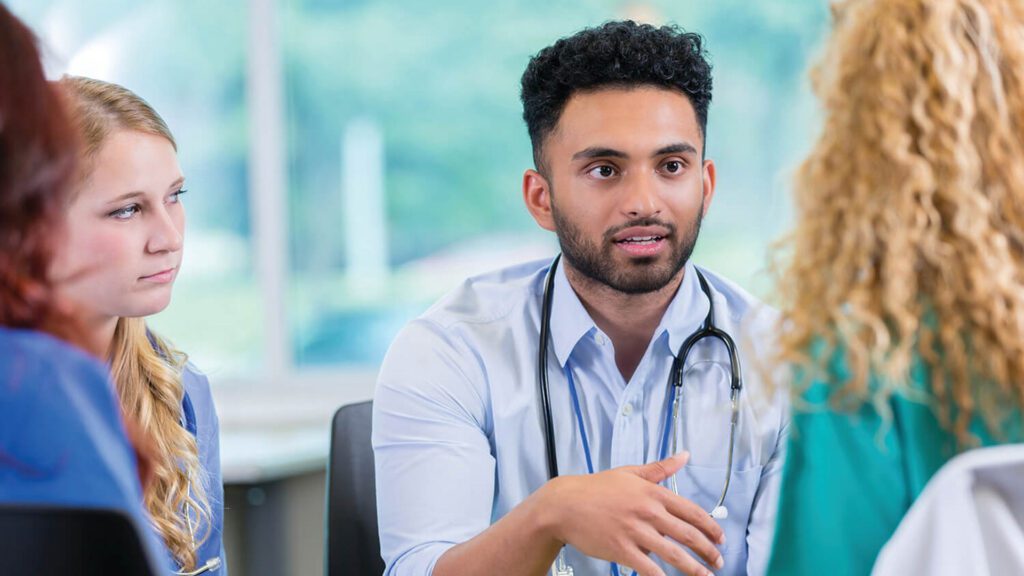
x,y
675,383
542,372
675,387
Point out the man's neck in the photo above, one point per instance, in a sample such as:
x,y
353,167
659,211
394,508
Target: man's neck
x,y
629,320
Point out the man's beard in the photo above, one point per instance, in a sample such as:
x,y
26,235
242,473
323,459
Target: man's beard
x,y
639,275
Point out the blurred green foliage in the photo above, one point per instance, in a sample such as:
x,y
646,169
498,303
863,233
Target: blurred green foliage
x,y
441,80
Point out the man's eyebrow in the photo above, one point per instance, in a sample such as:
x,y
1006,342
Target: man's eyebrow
x,y
679,148
604,152
599,152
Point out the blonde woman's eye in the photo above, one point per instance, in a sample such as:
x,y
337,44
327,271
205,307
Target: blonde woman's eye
x,y
126,212
176,197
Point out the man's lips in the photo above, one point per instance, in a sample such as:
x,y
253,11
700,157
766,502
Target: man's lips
x,y
642,241
641,235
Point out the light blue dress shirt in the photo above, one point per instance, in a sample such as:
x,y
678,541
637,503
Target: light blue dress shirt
x,y
457,432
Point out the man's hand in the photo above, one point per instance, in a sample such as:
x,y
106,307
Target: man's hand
x,y
623,514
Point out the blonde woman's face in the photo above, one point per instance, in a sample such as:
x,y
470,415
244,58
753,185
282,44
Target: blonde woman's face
x,y
124,230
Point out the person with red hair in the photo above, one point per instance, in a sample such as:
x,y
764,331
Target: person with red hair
x,y
63,440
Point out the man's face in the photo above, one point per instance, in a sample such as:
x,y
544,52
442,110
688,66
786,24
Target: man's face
x,y
626,186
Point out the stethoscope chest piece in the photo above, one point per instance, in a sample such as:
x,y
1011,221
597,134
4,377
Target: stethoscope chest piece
x,y
561,567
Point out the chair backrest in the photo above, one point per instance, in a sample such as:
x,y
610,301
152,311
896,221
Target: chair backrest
x,y
61,541
353,544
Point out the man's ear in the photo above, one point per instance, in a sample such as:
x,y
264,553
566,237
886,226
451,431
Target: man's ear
x,y
709,185
537,195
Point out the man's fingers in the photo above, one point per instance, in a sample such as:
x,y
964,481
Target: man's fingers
x,y
693,515
689,537
674,554
657,472
643,565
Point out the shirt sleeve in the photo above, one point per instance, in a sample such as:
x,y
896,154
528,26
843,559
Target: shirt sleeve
x,y
211,461
843,490
208,430
435,470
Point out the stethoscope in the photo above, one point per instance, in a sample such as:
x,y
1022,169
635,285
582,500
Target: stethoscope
x,y
211,565
675,385
188,415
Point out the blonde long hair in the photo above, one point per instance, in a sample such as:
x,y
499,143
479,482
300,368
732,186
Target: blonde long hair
x,y
909,242
146,369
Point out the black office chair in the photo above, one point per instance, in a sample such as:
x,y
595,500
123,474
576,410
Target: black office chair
x,y
353,545
57,541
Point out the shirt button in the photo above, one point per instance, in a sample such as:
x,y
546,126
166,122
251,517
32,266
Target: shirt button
x,y
627,409
601,339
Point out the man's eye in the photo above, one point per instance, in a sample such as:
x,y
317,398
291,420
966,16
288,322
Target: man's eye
x,y
673,166
602,171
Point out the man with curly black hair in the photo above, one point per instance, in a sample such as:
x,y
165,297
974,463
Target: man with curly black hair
x,y
524,422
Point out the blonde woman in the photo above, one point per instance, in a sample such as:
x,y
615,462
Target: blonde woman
x,y
117,263
903,297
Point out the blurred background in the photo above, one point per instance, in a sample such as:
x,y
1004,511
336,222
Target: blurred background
x,y
349,161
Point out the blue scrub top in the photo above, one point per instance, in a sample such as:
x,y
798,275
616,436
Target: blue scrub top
x,y
62,438
200,418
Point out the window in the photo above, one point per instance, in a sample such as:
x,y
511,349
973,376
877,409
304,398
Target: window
x,y
187,59
395,130
407,147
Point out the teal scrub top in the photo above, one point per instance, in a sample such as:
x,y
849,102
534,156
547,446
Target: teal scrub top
x,y
849,477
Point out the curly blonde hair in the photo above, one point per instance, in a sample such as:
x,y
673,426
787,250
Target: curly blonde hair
x,y
909,242
146,369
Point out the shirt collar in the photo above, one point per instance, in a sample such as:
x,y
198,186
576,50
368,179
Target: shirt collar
x,y
188,415
686,312
570,321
